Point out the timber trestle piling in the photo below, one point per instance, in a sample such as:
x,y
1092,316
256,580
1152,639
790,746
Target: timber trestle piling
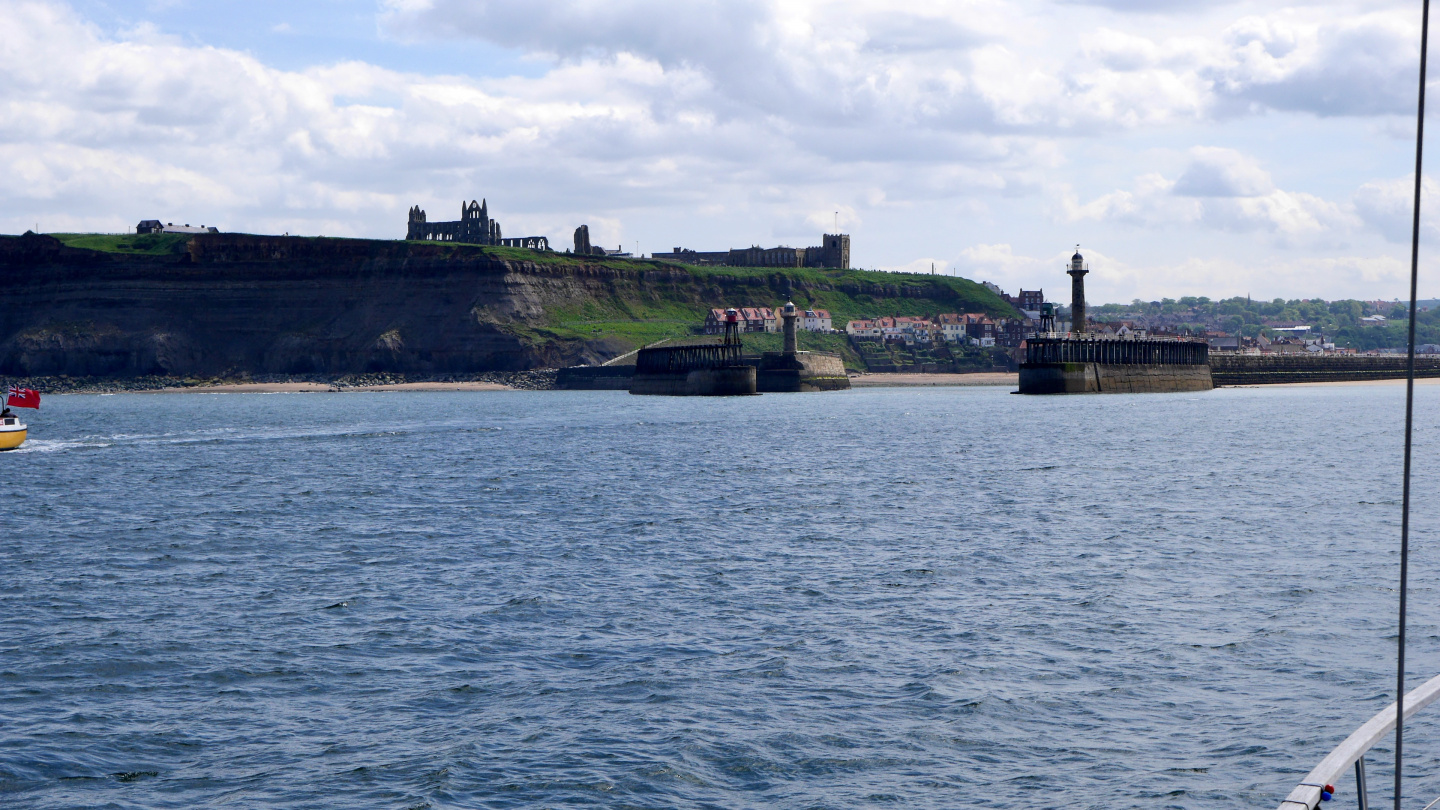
x,y
676,359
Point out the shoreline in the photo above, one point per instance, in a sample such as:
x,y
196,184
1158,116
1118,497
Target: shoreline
x,y
542,381
539,379
1391,381
323,388
904,380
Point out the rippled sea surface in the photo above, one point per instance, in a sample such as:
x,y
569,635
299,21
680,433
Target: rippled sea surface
x,y
877,598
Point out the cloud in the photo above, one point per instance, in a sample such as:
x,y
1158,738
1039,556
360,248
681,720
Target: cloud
x,y
1222,173
936,129
1363,65
1222,189
998,263
1387,206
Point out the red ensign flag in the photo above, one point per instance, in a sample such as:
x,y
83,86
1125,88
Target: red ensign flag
x,y
23,398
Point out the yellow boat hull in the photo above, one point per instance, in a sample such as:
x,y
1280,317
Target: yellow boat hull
x,y
11,439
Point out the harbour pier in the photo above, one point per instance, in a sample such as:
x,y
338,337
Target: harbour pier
x,y
1085,363
708,369
1081,362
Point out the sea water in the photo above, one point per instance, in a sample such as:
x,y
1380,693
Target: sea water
x,y
875,598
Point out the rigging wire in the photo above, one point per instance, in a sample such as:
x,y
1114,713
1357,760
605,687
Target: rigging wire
x,y
1409,412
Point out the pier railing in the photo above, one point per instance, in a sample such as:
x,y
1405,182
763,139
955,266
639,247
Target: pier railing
x,y
1083,348
1352,752
681,359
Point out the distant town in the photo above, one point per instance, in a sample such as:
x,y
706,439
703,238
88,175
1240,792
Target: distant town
x,y
1236,325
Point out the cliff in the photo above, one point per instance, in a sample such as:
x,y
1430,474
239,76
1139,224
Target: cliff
x,y
220,304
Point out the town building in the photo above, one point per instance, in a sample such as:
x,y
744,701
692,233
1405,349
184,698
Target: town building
x,y
834,252
155,226
1011,332
979,329
952,327
816,320
760,319
751,319
863,329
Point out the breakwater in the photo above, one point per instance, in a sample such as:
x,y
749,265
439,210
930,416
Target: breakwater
x,y
1249,369
701,370
777,372
1090,365
806,372
595,378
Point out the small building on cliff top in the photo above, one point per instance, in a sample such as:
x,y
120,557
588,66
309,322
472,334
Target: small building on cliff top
x,y
156,226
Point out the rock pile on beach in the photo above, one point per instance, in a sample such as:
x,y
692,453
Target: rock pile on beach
x,y
535,380
97,385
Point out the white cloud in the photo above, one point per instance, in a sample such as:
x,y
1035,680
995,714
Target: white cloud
x,y
1388,207
1222,189
935,129
999,264
1222,173
1362,65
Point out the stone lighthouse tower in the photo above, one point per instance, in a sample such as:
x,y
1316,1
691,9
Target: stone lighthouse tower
x,y
1077,273
788,314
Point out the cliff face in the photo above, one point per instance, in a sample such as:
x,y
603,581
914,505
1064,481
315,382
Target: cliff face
x,y
287,305
235,303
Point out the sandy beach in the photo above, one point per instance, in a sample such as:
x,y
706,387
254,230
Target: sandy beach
x,y
916,380
1397,381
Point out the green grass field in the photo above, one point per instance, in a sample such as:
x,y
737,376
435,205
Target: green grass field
x,y
147,244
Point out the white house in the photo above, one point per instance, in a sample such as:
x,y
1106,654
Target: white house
x,y
862,329
816,320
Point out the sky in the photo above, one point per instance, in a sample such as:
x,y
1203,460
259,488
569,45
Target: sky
x,y
1188,147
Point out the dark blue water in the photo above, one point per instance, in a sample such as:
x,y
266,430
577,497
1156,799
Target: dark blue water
x,y
879,598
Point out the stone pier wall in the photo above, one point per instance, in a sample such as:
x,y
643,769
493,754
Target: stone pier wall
x,y
805,371
1263,369
594,378
703,382
1103,378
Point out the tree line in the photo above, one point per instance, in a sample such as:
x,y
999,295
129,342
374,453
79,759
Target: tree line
x,y
1339,321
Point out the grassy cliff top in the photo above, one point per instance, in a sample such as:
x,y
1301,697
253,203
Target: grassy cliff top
x,y
959,293
145,244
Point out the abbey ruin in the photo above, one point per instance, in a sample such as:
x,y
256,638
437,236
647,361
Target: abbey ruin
x,y
475,227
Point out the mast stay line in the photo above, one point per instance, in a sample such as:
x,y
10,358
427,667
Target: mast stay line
x,y
1409,410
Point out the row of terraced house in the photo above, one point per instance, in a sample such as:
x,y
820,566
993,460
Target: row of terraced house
x,y
767,319
973,328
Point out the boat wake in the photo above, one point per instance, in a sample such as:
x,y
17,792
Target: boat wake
x,y
213,436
